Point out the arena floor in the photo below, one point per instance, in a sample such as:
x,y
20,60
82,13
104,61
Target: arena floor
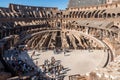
x,y
77,61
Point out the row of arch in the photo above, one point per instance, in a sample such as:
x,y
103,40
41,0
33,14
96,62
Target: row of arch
x,y
25,14
91,14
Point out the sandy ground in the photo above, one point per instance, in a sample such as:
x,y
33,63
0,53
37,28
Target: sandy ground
x,y
78,61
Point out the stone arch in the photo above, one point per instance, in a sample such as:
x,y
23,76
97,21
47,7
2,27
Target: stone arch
x,y
96,14
118,14
101,13
113,15
66,16
73,14
104,15
79,14
76,15
85,14
109,15
63,16
31,14
82,15
43,13
89,14
48,15
93,13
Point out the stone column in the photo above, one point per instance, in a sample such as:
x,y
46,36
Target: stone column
x,y
119,36
87,30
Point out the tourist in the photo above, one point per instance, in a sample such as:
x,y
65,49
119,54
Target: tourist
x,y
43,69
46,62
64,50
54,51
52,60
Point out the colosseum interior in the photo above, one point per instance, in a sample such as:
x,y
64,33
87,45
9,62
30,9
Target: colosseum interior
x,y
81,42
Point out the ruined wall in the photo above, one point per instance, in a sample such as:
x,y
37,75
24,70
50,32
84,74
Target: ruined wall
x,y
82,3
115,0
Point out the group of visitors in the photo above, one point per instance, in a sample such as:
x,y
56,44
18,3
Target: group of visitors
x,y
57,50
52,68
20,66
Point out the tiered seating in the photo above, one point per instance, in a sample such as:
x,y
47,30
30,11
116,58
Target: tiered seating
x,y
13,18
23,21
32,12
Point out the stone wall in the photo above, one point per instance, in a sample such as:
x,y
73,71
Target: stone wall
x,y
82,3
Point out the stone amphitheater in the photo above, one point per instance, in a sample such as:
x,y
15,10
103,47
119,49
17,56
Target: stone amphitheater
x,y
81,42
